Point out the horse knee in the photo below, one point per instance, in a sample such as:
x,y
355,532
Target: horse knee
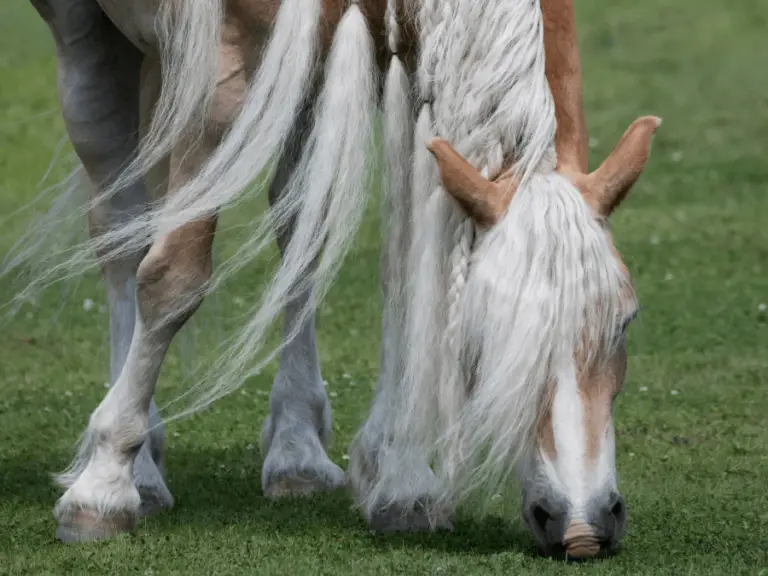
x,y
172,277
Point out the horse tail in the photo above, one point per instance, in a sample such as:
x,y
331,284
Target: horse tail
x,y
398,147
323,202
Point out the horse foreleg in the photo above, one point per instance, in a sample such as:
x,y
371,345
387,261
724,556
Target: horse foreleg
x,y
403,498
298,427
408,504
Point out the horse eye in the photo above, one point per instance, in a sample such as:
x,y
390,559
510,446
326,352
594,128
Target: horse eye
x,y
626,322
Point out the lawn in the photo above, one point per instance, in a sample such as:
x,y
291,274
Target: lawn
x,y
692,420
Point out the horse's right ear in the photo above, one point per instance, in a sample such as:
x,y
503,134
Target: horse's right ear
x,y
613,180
485,201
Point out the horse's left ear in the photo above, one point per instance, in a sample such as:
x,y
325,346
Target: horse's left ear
x,y
612,181
485,201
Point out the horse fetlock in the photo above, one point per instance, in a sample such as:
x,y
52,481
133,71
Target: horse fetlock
x,y
102,503
148,479
121,431
298,399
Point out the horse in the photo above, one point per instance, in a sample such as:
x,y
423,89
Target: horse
x,y
175,108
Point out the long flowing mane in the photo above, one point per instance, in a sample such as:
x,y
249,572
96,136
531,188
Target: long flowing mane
x,y
490,317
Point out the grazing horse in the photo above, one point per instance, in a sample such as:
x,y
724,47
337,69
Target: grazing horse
x,y
504,310
516,301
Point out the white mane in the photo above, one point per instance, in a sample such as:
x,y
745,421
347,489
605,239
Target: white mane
x,y
528,292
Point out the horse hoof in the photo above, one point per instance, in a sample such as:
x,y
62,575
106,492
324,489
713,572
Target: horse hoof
x,y
150,508
154,500
303,485
289,474
88,526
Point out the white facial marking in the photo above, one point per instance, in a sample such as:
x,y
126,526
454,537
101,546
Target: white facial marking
x,y
605,468
569,471
573,473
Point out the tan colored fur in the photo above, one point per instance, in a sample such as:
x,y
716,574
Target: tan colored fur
x,y
178,265
563,69
483,199
597,389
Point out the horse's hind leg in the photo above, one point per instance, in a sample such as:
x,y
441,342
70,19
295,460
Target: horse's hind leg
x,y
171,282
298,427
101,499
99,94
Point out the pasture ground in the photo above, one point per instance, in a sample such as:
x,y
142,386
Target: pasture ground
x,y
691,421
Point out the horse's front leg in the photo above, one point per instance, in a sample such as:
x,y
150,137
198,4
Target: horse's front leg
x,y
405,497
298,428
408,502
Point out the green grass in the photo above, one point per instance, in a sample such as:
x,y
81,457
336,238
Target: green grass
x,y
692,465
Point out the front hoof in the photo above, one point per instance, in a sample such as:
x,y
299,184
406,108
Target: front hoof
x,y
155,498
84,525
153,503
291,482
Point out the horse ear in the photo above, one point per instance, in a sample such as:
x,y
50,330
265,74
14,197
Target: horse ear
x,y
612,181
484,201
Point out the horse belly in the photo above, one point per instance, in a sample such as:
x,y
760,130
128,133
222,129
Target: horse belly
x,y
136,19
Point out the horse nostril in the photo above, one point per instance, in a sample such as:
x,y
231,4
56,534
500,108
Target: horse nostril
x,y
618,509
541,517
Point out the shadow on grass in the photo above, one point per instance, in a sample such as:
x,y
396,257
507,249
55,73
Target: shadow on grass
x,y
216,489
490,535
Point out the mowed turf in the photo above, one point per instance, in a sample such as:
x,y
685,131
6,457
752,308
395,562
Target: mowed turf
x,y
692,429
